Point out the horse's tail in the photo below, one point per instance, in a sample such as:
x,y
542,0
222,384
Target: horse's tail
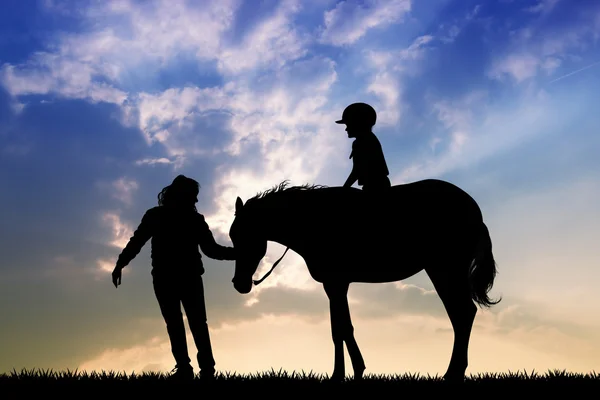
x,y
483,270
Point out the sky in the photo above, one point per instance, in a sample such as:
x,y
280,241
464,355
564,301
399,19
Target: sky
x,y
103,103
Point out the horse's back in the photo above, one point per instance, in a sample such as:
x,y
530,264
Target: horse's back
x,y
393,233
431,195
427,187
418,202
417,211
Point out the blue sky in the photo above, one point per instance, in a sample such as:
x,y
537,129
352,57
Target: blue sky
x,y
104,103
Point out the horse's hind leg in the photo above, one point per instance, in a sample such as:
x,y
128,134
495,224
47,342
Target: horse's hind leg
x,y
454,291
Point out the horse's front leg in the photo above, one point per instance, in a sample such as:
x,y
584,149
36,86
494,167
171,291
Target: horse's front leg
x,y
333,293
342,330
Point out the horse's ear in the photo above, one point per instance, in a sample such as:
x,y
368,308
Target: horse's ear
x,y
238,205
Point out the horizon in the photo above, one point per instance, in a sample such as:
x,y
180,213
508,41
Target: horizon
x,y
102,104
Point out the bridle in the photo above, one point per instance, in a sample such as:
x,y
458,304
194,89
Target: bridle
x,y
257,282
271,270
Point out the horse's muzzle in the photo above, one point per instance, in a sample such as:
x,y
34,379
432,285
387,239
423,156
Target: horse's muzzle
x,y
242,286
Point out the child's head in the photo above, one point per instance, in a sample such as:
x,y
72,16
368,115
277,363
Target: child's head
x,y
181,193
359,119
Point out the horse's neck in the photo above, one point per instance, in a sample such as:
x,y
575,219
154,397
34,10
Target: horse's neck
x,y
276,221
287,218
283,220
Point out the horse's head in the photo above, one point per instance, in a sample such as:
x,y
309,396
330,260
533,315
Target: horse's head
x,y
250,245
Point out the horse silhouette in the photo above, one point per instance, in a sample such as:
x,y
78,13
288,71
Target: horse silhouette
x,y
346,235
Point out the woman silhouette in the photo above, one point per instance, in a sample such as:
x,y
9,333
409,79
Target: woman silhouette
x,y
176,229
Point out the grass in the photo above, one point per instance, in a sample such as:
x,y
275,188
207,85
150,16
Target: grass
x,y
283,384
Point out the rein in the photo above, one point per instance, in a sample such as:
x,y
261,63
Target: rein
x,y
272,268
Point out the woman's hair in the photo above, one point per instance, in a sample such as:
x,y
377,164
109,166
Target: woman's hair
x,y
181,190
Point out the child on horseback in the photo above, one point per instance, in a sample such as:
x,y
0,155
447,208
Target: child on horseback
x,y
369,165
176,229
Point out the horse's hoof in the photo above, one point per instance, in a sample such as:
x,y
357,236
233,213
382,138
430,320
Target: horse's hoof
x,y
337,378
358,373
454,378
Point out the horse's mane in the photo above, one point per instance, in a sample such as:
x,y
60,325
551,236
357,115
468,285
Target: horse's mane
x,y
284,187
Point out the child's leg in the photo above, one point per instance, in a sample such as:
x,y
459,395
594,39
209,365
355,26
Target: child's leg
x,y
195,309
169,299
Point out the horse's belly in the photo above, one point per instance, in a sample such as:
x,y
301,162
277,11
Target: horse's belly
x,y
384,273
367,268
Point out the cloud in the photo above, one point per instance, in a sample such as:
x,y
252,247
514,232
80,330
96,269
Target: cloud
x,y
197,122
538,47
350,20
276,119
271,43
18,107
291,291
106,265
480,127
130,35
462,121
542,7
154,161
562,219
458,117
123,190
153,355
276,135
449,31
169,117
74,274
69,79
121,231
389,68
519,66
269,129
385,85
283,108
424,342
372,301
91,64
520,323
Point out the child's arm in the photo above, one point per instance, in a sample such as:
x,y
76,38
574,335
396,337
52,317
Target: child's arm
x,y
209,246
141,235
351,178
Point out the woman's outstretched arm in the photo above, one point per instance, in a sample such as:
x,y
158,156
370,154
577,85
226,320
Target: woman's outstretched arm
x,y
141,235
209,246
